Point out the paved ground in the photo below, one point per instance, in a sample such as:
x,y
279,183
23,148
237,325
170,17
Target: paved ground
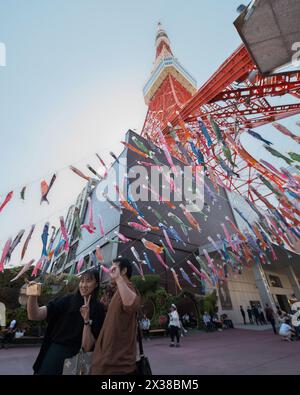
x,y
254,327
236,351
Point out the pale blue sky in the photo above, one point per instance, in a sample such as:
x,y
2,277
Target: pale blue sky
x,y
73,85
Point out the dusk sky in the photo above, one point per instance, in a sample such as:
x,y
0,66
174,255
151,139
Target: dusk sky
x,y
72,86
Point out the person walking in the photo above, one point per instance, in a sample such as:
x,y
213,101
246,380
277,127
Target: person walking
x,y
115,350
270,317
249,311
70,319
174,325
243,314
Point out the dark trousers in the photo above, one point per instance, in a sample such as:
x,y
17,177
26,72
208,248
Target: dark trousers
x,y
272,322
262,318
218,325
228,323
250,319
174,332
244,318
146,333
53,362
209,326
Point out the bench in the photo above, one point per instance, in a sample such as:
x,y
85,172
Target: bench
x,y
28,340
157,332
24,341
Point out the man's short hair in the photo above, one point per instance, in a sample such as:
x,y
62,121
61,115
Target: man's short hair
x,y
124,263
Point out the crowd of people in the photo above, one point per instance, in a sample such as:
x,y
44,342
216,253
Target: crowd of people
x,y
256,315
214,322
287,330
108,327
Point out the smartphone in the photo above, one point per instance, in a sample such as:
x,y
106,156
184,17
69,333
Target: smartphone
x,y
34,289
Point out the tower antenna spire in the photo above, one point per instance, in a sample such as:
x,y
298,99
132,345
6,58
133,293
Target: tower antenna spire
x,y
169,86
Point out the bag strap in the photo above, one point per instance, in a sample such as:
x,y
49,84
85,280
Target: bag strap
x,y
77,364
139,336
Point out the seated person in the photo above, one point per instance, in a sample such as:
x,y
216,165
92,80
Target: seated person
x,y
283,317
207,320
286,331
217,322
227,321
8,335
182,330
185,320
19,333
145,327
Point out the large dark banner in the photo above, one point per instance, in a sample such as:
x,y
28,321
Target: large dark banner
x,y
224,296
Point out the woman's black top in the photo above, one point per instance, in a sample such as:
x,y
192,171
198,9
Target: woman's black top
x,y
65,323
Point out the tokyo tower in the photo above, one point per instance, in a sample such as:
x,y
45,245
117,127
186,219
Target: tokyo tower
x,y
234,99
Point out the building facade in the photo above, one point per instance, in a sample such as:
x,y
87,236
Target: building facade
x,y
276,283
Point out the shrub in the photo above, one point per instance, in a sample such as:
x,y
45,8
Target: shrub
x,y
9,295
162,302
210,303
147,286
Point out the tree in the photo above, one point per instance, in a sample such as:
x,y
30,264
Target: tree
x,y
148,286
210,302
53,286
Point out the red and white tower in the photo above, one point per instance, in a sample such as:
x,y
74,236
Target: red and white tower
x,y
236,97
169,87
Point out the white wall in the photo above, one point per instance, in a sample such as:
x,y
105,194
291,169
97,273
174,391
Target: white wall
x,y
286,289
242,289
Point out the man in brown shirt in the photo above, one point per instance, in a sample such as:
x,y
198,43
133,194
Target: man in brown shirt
x,y
115,349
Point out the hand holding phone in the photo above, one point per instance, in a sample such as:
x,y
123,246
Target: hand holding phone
x,y
33,289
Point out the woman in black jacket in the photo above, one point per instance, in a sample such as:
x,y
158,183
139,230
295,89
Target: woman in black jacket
x,y
68,318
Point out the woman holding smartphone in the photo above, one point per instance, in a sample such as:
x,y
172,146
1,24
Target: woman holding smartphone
x,y
71,319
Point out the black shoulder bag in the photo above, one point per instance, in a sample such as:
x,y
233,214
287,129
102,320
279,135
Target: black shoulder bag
x,y
142,365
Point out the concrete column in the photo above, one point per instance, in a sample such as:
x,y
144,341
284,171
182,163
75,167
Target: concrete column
x,y
289,271
263,287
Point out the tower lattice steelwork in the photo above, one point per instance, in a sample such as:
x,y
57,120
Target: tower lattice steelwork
x,y
236,98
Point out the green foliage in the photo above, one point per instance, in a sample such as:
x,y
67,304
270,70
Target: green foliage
x,y
196,299
58,286
210,302
162,302
19,314
9,292
32,328
148,286
8,275
9,295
